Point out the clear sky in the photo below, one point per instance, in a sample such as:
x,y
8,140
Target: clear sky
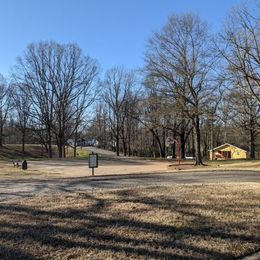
x,y
114,32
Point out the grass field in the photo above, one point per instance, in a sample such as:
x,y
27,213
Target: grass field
x,y
180,222
253,165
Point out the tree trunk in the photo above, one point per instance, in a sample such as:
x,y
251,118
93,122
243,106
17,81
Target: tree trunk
x,y
173,150
182,139
154,146
1,135
49,144
75,144
163,142
196,124
129,130
23,133
124,147
60,150
211,137
23,141
75,150
161,150
174,146
117,145
192,143
129,145
117,138
252,144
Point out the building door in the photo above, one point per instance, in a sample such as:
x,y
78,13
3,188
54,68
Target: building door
x,y
227,154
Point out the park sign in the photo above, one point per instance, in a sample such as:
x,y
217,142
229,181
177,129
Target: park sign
x,y
93,161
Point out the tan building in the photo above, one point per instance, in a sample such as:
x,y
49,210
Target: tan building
x,y
228,151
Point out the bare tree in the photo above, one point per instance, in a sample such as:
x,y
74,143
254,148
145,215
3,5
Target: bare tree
x,y
151,112
179,60
22,105
99,126
33,72
59,81
239,45
246,115
5,101
117,86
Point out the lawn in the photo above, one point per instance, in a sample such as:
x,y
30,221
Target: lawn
x,y
180,222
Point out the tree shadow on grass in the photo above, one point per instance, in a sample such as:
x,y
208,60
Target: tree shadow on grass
x,y
95,228
8,252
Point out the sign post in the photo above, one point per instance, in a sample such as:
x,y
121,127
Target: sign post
x,y
93,161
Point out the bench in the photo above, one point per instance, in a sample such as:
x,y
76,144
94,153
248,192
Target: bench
x,y
16,163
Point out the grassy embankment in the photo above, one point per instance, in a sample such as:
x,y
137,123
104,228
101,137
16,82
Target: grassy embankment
x,y
34,152
11,153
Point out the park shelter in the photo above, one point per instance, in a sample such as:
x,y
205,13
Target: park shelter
x,y
228,151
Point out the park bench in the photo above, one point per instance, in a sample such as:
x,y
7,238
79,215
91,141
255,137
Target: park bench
x,y
16,163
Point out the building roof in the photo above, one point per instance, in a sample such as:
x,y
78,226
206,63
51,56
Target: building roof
x,y
227,144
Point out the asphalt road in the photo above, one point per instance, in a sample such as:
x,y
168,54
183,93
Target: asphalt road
x,y
19,188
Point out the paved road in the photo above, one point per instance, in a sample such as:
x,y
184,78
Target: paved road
x,y
28,187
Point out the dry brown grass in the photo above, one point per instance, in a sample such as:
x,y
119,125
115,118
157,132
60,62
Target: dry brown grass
x,y
252,165
8,171
180,222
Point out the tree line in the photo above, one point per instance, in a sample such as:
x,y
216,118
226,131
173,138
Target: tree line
x,y
196,87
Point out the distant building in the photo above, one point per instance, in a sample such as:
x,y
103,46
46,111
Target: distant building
x,y
92,142
71,142
228,151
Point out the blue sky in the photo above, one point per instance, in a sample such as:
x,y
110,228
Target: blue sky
x,y
114,32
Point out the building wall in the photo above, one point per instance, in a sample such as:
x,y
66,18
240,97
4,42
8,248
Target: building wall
x,y
236,153
210,155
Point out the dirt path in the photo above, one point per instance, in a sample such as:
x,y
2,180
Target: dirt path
x,y
110,164
78,168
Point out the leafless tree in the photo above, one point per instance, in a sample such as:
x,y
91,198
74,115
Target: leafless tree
x,y
151,113
179,61
99,126
5,101
246,115
117,86
239,45
59,81
22,105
